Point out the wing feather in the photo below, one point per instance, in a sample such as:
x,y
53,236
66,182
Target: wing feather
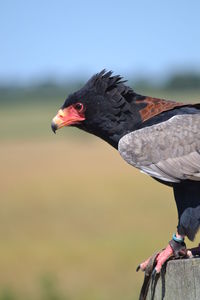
x,y
169,151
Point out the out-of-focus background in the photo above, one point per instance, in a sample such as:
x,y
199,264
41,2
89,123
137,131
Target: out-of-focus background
x,y
75,220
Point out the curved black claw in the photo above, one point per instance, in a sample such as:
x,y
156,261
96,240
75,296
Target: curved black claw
x,y
138,268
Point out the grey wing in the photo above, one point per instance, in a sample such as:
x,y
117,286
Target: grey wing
x,y
169,151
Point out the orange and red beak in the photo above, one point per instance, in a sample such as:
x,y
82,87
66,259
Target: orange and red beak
x,y
65,117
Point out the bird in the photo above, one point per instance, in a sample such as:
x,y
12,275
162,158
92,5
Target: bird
x,y
159,137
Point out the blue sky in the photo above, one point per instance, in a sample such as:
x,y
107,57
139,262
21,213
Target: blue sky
x,y
67,38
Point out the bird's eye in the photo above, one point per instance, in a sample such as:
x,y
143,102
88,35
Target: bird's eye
x,y
79,107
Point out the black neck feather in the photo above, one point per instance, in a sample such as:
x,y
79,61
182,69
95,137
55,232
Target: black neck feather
x,y
119,119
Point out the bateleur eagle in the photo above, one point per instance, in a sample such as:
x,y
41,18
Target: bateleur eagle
x,y
157,136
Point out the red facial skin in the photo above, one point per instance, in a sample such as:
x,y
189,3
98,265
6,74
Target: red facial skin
x,y
70,115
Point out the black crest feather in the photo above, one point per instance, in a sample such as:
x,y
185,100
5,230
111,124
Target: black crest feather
x,y
104,82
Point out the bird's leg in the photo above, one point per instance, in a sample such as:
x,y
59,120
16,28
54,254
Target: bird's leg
x,y
176,248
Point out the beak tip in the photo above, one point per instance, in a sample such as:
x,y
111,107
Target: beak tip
x,y
54,126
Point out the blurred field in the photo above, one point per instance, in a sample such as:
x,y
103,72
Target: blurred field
x,y
75,218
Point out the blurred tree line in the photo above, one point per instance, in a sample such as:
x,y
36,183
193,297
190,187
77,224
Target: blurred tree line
x,y
50,90
179,81
183,81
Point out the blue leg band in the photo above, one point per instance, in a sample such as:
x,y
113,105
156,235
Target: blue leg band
x,y
177,239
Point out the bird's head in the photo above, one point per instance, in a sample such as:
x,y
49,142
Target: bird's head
x,y
102,107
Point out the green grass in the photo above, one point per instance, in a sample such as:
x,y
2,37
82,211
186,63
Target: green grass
x,y
75,218
78,211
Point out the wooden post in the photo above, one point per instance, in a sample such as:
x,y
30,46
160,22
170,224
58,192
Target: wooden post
x,y
180,282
